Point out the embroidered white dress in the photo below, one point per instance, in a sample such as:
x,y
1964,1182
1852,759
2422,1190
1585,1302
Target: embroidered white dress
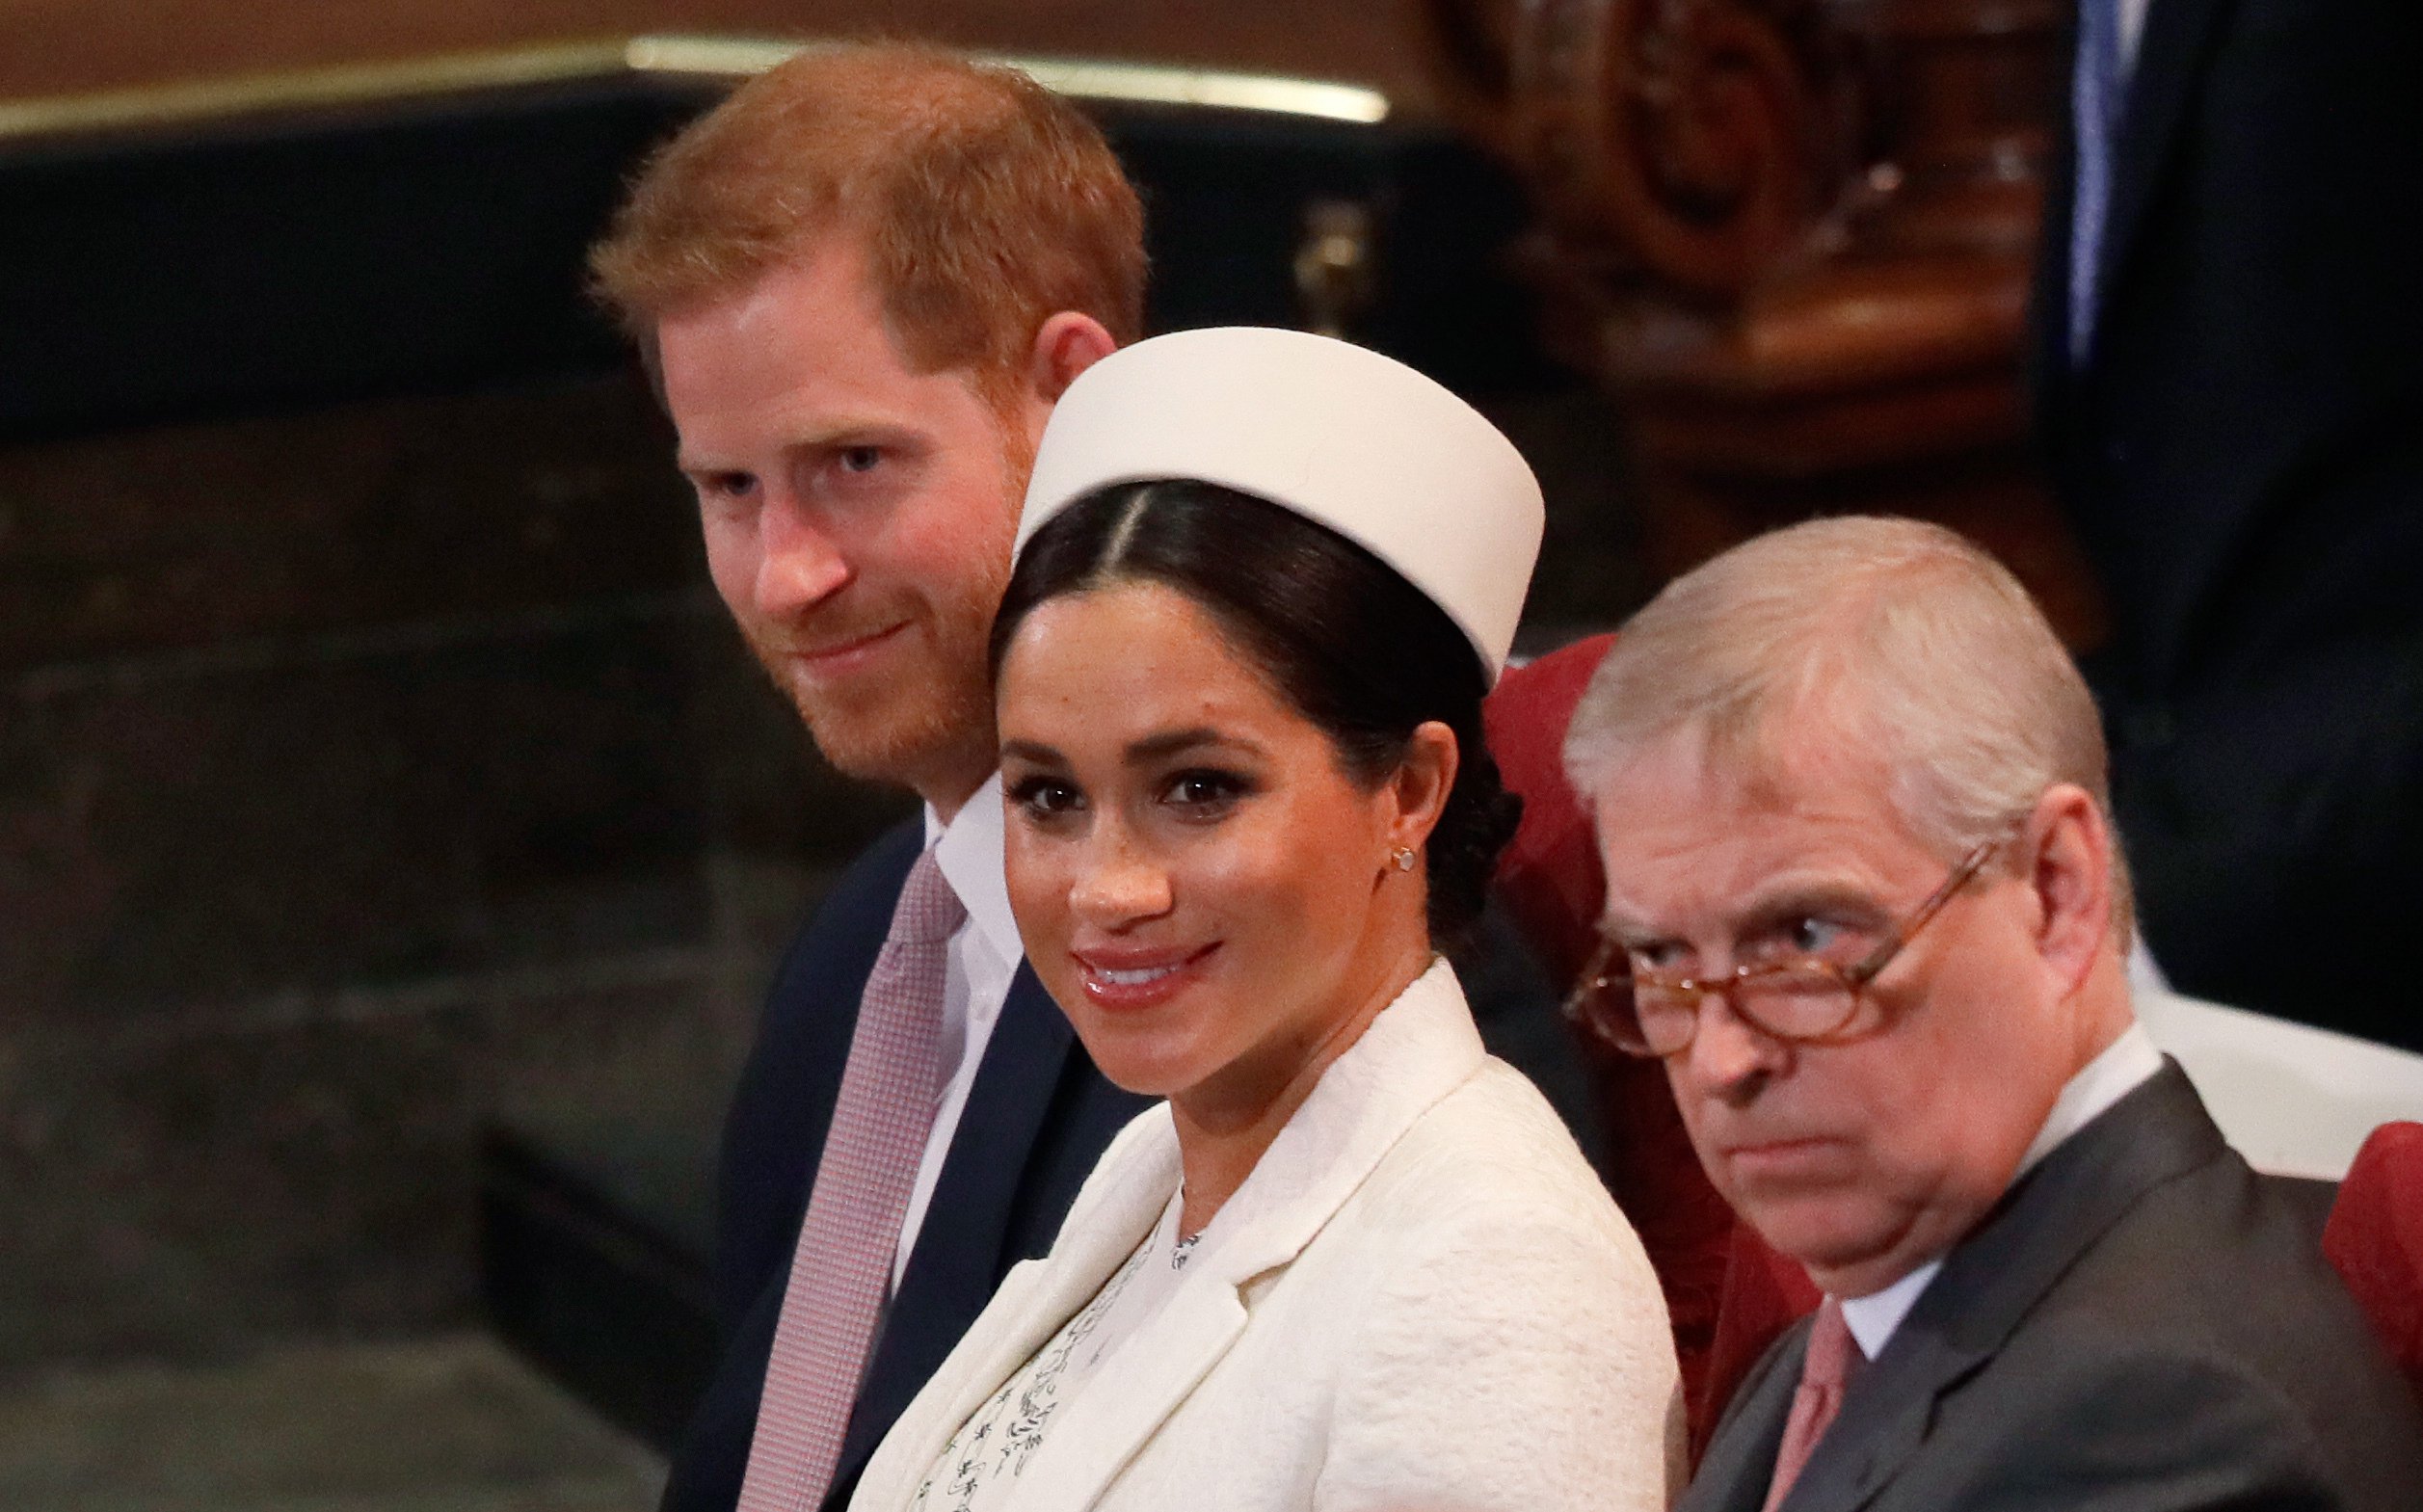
x,y
983,1460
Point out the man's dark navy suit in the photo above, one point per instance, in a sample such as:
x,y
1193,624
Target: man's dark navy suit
x,y
1036,1119
2242,455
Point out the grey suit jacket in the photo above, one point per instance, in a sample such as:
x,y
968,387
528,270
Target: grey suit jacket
x,y
2140,1324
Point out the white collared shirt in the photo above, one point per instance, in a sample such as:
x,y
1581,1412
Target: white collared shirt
x,y
984,957
2127,1064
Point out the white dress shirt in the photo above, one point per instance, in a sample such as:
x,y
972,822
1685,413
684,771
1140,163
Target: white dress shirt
x,y
2127,1064
984,957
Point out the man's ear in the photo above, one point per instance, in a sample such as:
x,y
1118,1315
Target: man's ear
x,y
2069,868
1066,345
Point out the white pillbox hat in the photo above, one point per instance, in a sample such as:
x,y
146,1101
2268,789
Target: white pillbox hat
x,y
1343,435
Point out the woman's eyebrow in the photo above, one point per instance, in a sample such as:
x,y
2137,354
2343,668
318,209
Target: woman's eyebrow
x,y
1034,752
1174,742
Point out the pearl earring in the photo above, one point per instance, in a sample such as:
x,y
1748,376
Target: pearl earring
x,y
1404,857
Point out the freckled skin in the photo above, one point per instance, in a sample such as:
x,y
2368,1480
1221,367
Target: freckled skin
x,y
1249,859
857,515
1863,1160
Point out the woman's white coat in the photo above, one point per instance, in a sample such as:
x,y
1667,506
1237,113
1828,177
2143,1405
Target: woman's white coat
x,y
1422,1298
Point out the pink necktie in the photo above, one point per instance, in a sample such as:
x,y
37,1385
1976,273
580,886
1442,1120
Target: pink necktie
x,y
1832,1358
843,1267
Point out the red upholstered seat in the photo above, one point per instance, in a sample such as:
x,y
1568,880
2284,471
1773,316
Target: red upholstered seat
x,y
2375,1238
1549,877
1729,1294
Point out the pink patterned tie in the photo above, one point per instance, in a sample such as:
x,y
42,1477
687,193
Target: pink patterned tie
x,y
843,1267
1833,1358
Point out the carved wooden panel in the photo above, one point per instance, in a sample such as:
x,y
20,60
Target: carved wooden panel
x,y
1794,239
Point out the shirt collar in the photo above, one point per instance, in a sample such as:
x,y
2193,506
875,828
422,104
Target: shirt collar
x,y
968,849
1873,1318
2125,1065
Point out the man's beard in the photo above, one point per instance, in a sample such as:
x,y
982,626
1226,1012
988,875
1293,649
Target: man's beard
x,y
919,720
909,726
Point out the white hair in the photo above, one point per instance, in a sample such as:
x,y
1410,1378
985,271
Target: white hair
x,y
1902,636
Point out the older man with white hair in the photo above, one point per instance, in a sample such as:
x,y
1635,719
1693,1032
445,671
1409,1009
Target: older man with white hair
x,y
1865,902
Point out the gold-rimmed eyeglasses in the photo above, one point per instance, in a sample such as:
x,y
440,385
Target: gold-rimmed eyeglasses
x,y
1802,1001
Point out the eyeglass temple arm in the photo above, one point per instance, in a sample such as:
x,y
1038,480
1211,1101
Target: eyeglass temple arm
x,y
1864,970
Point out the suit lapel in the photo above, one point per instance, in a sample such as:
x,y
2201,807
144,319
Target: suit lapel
x,y
1039,1296
781,1112
1996,1276
2162,84
1741,1459
1136,1389
1422,1047
959,1250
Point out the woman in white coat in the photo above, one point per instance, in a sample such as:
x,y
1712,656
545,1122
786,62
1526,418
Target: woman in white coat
x,y
1264,580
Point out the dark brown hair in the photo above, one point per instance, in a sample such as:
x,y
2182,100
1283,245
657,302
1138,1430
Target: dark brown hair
x,y
1349,644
